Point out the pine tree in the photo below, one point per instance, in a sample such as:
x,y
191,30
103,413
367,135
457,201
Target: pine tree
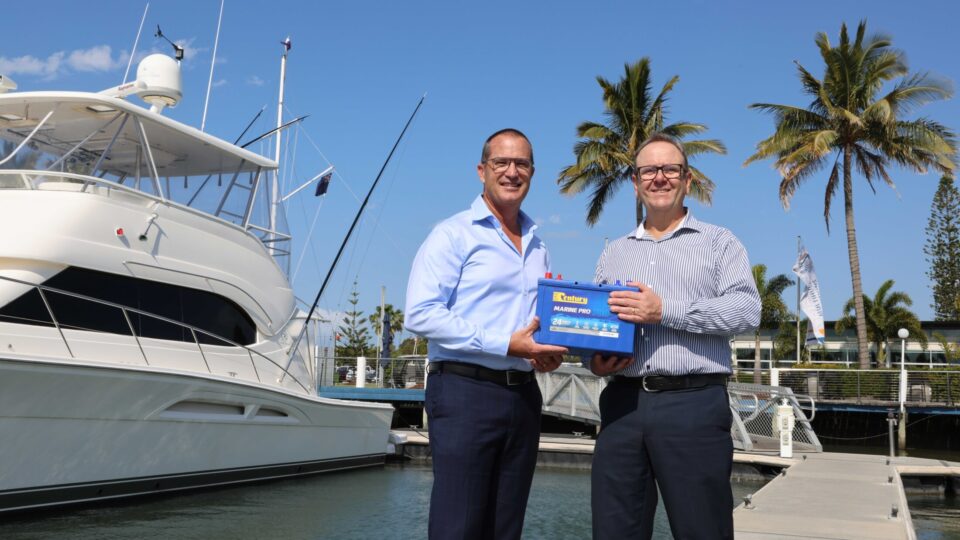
x,y
353,332
943,251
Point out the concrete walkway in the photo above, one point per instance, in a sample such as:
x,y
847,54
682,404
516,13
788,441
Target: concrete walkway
x,y
835,496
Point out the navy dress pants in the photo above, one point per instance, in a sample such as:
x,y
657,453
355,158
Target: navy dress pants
x,y
678,441
483,441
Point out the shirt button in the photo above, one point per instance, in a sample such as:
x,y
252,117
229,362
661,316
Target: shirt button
x,y
651,262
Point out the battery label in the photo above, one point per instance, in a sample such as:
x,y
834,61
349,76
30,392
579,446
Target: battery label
x,y
577,315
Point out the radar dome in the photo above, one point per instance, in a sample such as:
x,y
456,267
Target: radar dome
x,y
160,75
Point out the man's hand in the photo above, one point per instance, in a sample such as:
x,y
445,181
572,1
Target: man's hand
x,y
643,306
547,363
602,367
541,357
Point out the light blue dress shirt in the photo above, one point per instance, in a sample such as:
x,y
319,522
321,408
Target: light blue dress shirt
x,y
470,288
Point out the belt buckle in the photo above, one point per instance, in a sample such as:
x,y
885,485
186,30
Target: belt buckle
x,y
643,384
515,382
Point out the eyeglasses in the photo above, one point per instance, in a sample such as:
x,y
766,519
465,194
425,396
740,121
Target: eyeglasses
x,y
500,164
671,171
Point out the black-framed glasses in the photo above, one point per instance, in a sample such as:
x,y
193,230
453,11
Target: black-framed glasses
x,y
671,171
501,164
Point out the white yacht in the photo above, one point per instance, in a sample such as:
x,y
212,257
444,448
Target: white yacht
x,y
149,336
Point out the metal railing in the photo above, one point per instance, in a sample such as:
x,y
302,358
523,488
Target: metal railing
x,y
755,426
44,291
395,372
573,392
875,386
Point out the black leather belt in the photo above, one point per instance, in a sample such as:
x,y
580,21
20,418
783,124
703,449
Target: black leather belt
x,y
660,383
510,377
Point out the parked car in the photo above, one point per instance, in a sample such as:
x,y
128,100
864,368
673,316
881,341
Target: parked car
x,y
349,374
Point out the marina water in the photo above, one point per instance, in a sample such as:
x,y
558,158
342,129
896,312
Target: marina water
x,y
389,502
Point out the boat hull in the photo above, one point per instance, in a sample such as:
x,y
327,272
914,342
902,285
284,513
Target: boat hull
x,y
76,432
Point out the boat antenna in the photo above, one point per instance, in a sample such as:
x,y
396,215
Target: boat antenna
x,y
135,41
213,60
250,125
274,130
177,49
346,238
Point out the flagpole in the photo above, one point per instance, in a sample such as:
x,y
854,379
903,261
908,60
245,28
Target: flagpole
x,y
383,294
798,304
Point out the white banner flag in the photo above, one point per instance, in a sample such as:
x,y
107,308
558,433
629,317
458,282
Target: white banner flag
x,y
810,300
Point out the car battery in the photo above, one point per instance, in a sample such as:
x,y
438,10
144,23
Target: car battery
x,y
576,315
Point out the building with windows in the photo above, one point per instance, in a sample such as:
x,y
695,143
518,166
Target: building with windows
x,y
842,348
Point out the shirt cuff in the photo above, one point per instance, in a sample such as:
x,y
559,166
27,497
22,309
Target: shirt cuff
x,y
672,313
495,343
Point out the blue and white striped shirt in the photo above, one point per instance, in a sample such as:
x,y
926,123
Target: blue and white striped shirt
x,y
470,289
701,273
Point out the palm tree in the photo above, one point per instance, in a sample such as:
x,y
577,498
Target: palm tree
x,y
849,125
886,313
772,311
785,342
605,154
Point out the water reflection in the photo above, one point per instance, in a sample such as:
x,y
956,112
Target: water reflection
x,y
935,517
391,502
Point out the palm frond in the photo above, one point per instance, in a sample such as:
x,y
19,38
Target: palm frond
x,y
679,130
703,146
604,189
833,184
702,187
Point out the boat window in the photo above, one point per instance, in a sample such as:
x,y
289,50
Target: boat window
x,y
27,309
205,310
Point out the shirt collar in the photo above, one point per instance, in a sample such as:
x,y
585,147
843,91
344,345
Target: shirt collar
x,y
688,222
479,211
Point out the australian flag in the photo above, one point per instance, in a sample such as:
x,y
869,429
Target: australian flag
x,y
323,184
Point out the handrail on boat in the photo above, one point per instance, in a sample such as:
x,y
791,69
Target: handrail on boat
x,y
127,310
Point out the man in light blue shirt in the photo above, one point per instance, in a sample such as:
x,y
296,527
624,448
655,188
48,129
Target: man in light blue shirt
x,y
472,293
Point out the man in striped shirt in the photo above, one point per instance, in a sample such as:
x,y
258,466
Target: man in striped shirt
x,y
665,415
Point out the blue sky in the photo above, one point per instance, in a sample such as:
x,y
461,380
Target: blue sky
x,y
358,69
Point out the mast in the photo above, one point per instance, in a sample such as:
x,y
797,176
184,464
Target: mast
x,y
275,185
213,61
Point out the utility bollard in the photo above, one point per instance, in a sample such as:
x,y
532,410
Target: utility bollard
x,y
785,422
360,379
891,421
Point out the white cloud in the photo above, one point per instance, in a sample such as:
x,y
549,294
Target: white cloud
x,y
31,65
554,219
98,58
253,80
218,84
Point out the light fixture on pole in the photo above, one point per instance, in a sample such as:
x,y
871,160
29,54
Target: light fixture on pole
x,y
903,333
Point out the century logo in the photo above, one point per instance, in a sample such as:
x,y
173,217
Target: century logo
x,y
568,299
